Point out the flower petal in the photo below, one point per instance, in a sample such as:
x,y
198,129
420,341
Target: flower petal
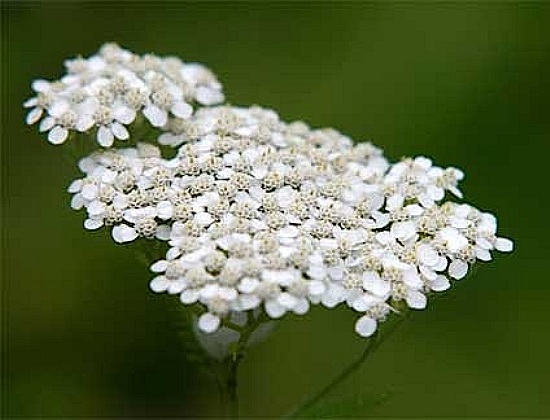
x,y
93,224
156,116
248,285
316,287
287,300
416,300
208,322
159,284
159,266
89,191
182,110
58,135
302,307
119,131
46,124
124,114
439,284
124,233
458,269
504,245
208,96
84,123
274,309
365,326
105,136
75,186
189,296
33,116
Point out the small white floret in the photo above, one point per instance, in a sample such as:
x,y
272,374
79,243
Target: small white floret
x,y
365,326
208,322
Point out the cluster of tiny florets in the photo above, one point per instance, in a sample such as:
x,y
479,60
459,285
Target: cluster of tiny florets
x,y
257,213
109,90
128,189
280,216
263,195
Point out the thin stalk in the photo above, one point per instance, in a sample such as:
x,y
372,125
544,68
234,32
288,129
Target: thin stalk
x,y
372,345
232,389
234,360
222,394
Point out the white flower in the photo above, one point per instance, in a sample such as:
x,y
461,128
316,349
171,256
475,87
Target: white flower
x,y
109,120
401,262
209,322
453,239
263,212
165,100
108,90
365,326
260,214
458,269
418,179
46,93
375,311
111,194
61,118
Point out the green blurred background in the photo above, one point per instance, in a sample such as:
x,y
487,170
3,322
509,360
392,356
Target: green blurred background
x,y
465,83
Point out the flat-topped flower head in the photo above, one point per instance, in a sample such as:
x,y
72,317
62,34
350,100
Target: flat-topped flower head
x,y
263,214
264,202
259,213
108,91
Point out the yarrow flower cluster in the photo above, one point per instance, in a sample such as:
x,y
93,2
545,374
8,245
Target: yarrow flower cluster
x,y
127,189
108,91
262,214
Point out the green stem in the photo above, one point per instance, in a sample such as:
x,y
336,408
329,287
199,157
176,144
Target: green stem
x,y
372,345
235,358
220,382
232,390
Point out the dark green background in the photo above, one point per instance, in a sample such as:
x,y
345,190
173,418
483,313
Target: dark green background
x,y
465,83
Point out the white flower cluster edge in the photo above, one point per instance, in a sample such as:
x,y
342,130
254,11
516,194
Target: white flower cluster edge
x,y
257,212
109,90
